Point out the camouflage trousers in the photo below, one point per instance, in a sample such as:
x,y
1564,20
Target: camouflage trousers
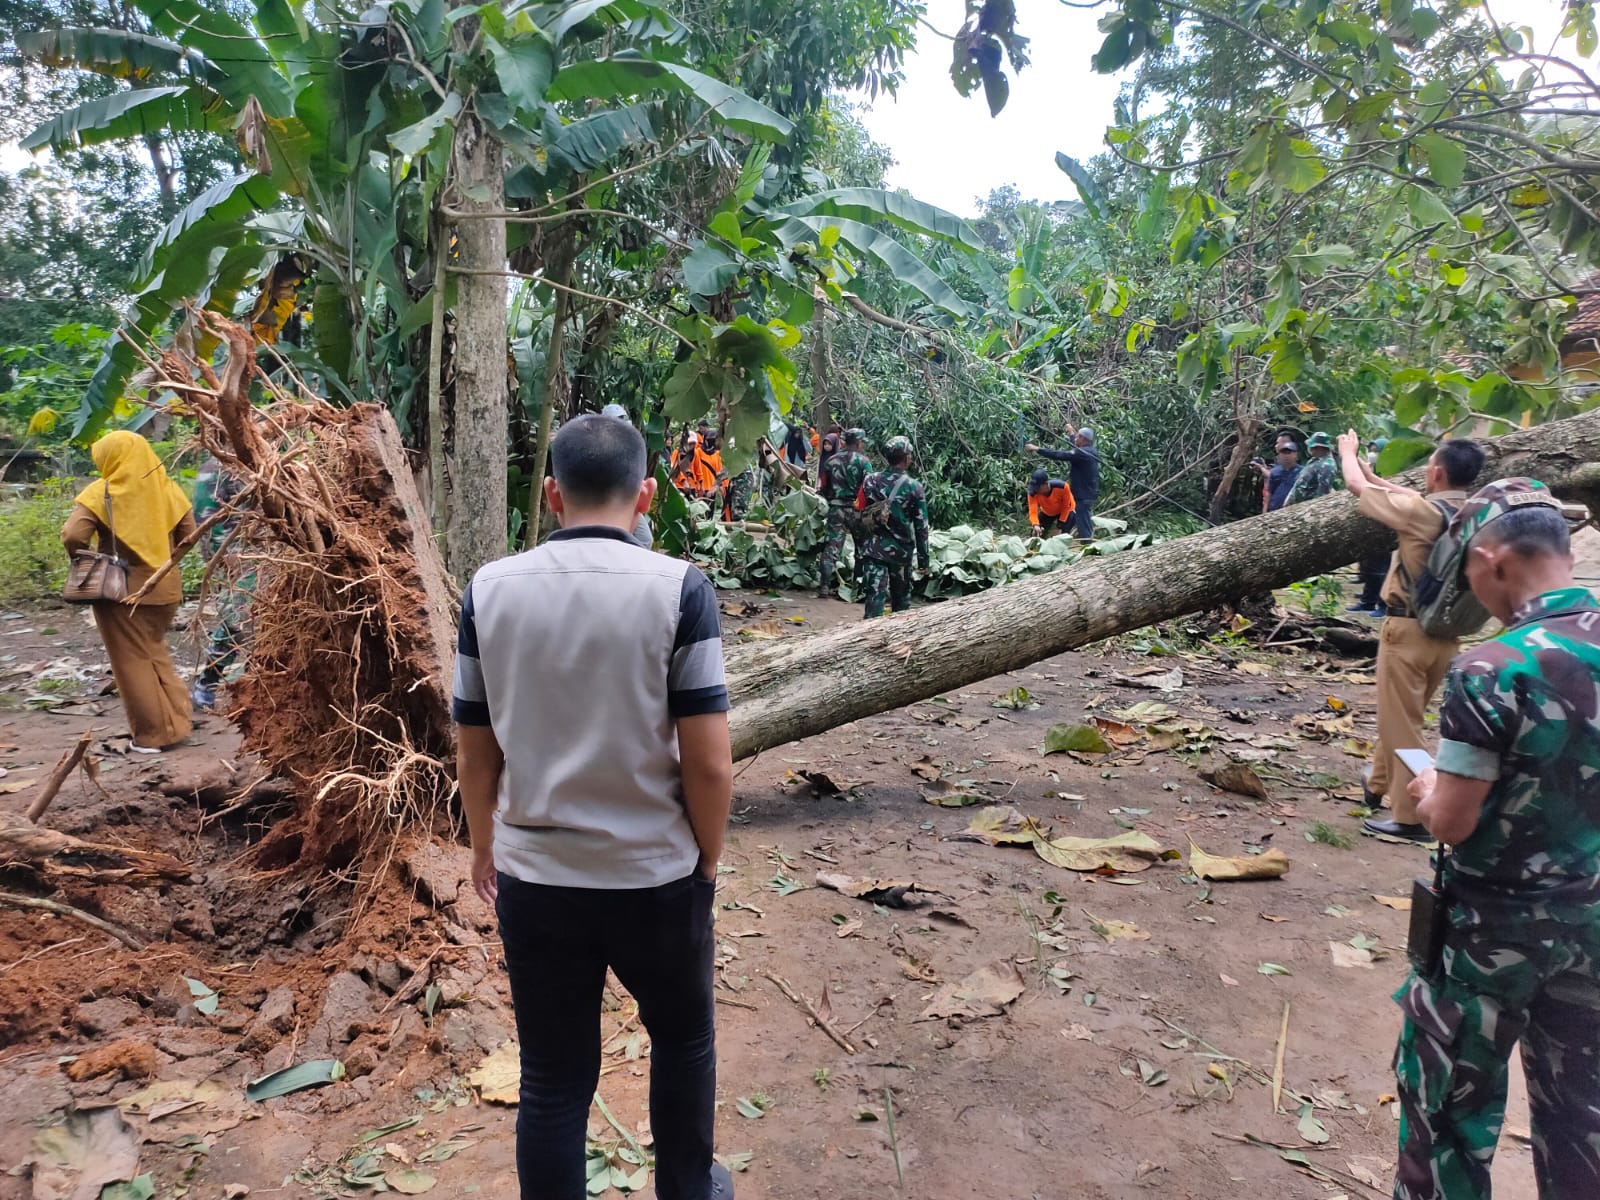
x,y
227,636
885,582
833,546
739,495
1527,974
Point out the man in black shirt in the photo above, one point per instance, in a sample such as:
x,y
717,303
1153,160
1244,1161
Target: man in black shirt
x,y
1083,466
1280,476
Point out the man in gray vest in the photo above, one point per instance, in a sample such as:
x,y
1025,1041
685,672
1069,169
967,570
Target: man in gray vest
x,y
596,777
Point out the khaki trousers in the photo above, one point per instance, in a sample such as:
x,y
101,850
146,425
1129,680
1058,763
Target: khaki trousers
x,y
1411,666
157,703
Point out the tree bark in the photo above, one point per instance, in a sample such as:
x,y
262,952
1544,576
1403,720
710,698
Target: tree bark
x,y
437,502
556,382
780,694
477,522
821,368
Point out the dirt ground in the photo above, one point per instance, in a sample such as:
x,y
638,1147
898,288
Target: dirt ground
x,y
1136,1059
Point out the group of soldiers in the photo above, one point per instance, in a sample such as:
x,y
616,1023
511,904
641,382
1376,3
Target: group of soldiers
x,y
885,513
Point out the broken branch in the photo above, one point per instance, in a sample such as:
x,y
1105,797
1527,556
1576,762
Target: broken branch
x,y
811,1010
69,762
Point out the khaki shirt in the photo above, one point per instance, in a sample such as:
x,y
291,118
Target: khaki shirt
x,y
1418,524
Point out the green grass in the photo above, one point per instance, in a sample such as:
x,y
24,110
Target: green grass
x,y
1321,831
33,565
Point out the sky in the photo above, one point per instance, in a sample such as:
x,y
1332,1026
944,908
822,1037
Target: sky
x,y
950,152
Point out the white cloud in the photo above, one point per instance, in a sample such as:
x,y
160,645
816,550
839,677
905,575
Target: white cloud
x,y
950,152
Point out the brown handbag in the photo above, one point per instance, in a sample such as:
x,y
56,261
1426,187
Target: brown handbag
x,y
96,578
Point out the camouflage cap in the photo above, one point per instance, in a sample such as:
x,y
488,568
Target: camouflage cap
x,y
898,445
1495,500
855,434
1320,441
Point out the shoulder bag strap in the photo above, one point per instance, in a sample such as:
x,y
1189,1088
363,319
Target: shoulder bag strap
x,y
111,520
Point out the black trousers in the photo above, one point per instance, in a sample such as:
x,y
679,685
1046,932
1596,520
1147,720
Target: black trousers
x,y
1372,572
659,941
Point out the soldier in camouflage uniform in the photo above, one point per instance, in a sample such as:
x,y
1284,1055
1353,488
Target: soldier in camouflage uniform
x,y
213,489
1515,796
1319,476
839,482
894,523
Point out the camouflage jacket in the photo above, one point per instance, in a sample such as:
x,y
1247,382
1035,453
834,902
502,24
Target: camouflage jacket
x,y
1317,478
1523,710
212,489
842,475
908,518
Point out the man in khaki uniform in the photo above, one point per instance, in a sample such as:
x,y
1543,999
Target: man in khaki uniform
x,y
1411,665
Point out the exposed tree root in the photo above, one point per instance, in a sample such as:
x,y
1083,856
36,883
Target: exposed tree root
x,y
347,686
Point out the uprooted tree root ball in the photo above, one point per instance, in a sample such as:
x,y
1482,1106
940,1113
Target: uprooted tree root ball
x,y
347,689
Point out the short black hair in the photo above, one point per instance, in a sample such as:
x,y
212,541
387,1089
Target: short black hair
x,y
1461,460
896,457
598,460
1532,531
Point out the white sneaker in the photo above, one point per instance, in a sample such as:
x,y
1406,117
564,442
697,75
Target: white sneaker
x,y
138,749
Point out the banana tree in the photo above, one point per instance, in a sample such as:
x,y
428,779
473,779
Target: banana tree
x,y
312,110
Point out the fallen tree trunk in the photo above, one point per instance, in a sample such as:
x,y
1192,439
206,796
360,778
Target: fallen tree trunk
x,y
781,693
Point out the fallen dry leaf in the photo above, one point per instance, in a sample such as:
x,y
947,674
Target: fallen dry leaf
x,y
1001,826
1130,851
1078,1033
1273,864
1253,668
498,1077
1118,733
848,928
926,768
1400,903
1156,679
894,893
1236,777
984,993
1345,955
1113,931
1228,980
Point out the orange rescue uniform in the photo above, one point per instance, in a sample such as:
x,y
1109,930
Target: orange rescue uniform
x,y
1057,503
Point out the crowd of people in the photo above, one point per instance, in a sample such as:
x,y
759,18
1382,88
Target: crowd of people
x,y
597,829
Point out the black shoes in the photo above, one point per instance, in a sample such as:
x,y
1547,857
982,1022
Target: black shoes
x,y
1372,827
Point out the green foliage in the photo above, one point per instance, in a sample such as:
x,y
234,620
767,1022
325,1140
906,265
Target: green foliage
x,y
33,566
1320,596
1327,835
40,384
962,559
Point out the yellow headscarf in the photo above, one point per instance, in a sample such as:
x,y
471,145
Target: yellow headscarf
x,y
146,503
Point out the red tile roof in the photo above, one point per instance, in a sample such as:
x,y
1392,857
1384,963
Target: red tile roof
x,y
1585,323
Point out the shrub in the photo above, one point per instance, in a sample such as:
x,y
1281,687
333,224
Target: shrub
x,y
33,566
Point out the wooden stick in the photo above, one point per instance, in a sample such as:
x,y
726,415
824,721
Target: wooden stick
x,y
65,767
77,914
811,1009
1277,1065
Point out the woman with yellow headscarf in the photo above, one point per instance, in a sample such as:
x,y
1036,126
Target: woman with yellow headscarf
x,y
151,515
